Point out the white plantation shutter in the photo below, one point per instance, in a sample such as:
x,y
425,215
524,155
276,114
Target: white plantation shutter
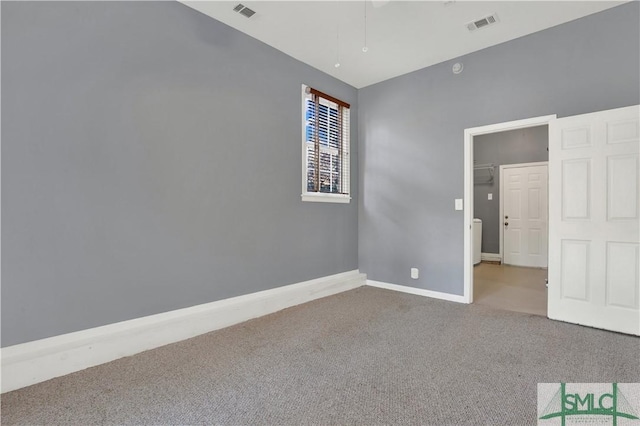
x,y
326,144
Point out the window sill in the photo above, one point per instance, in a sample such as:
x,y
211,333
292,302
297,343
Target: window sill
x,y
326,198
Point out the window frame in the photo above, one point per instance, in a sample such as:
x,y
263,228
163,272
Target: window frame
x,y
325,197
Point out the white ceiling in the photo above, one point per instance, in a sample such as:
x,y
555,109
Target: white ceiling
x,y
403,36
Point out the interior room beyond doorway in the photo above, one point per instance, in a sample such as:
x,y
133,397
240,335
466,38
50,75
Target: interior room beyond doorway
x,y
496,284
511,288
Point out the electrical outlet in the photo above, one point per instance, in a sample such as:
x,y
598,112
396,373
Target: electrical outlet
x,y
490,196
415,273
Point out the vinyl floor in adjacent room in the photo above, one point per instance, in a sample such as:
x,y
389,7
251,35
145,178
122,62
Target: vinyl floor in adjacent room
x,y
512,288
365,357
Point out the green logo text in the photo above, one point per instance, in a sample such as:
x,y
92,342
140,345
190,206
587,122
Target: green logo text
x,y
612,404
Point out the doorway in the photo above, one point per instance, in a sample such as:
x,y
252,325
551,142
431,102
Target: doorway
x,y
514,205
469,136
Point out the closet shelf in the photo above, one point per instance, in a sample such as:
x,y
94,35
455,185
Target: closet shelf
x,y
483,173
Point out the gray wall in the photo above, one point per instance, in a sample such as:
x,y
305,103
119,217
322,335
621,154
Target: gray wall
x,y
411,134
151,160
512,147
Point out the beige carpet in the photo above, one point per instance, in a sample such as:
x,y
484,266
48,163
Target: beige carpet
x,y
366,357
510,287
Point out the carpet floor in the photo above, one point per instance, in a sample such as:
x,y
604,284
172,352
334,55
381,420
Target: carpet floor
x,y
367,356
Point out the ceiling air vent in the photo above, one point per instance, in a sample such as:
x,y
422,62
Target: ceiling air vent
x,y
244,10
482,23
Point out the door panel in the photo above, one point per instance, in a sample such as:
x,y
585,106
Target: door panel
x,y
524,219
622,187
576,182
622,275
575,269
594,217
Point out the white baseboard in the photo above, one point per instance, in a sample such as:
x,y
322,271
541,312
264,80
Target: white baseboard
x,y
491,257
418,291
34,362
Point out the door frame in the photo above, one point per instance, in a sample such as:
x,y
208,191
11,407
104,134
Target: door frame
x,y
469,134
501,207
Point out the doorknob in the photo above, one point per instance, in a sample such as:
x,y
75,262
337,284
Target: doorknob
x,y
506,224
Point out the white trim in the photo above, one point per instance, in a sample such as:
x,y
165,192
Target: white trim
x,y
468,187
491,257
518,165
33,362
417,291
319,197
501,190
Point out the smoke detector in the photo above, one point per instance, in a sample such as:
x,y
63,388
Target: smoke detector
x,y
244,10
483,22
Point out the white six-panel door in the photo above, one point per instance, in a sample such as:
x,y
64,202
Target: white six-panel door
x,y
524,214
594,215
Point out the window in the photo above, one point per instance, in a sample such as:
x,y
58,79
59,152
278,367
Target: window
x,y
325,148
